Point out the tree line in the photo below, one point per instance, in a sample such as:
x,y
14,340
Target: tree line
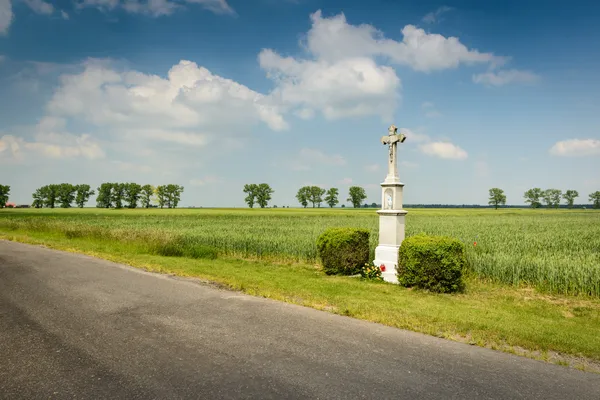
x,y
261,194
314,195
551,197
110,195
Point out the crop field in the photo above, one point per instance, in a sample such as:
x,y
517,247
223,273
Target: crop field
x,y
556,251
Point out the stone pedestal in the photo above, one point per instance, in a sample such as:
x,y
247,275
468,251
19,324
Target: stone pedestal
x,y
391,231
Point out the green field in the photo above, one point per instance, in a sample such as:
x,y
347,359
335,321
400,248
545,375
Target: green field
x,y
271,253
556,251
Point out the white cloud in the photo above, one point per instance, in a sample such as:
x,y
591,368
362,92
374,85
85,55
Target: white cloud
x,y
308,158
52,145
505,77
345,181
40,6
189,107
333,39
443,150
64,15
372,167
344,73
156,8
435,15
576,148
6,16
350,87
306,113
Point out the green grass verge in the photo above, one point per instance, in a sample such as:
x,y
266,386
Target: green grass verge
x,y
559,329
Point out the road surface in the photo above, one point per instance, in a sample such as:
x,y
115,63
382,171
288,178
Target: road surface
x,y
72,326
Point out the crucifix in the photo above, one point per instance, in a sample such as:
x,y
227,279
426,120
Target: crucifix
x,y
391,216
392,140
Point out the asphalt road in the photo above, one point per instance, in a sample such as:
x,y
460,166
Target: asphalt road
x,y
72,326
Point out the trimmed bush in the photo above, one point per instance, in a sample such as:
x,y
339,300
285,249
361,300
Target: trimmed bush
x,y
434,263
343,251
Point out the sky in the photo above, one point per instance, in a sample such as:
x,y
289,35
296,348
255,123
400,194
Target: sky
x,y
214,94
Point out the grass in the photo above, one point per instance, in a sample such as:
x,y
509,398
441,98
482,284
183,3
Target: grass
x,y
270,253
556,251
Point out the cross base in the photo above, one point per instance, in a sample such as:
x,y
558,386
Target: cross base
x,y
387,255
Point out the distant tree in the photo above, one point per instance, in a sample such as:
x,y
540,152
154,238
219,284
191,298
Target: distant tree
x,y
173,195
497,197
83,193
118,194
570,196
105,198
374,205
50,194
146,195
357,196
4,195
251,190
552,197
332,197
316,195
65,193
132,194
532,196
303,195
161,195
595,199
263,194
38,198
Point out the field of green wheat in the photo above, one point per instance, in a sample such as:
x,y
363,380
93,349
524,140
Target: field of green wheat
x,y
557,251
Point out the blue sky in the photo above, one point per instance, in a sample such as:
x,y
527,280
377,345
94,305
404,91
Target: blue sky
x,y
213,94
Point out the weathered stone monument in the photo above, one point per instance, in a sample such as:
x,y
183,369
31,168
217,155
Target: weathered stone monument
x,y
391,216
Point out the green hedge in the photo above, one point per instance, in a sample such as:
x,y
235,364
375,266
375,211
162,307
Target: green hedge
x,y
435,263
343,251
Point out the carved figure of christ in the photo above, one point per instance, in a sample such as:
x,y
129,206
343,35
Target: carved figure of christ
x,y
392,141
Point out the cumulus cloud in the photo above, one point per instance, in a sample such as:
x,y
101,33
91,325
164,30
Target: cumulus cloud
x,y
576,148
333,39
156,8
348,72
53,141
189,107
350,87
6,16
445,150
504,77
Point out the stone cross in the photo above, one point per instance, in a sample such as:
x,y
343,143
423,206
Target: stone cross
x,y
392,140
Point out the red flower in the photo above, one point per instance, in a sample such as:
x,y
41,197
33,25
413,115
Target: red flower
x,y
474,243
382,267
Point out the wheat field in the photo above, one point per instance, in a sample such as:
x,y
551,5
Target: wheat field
x,y
556,251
